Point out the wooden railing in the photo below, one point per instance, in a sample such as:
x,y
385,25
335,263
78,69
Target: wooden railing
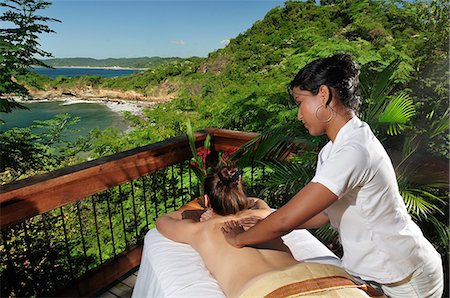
x,y
73,231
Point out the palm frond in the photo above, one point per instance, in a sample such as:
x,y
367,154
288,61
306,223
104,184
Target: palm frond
x,y
397,113
285,173
410,146
326,233
440,125
443,232
420,203
375,87
273,145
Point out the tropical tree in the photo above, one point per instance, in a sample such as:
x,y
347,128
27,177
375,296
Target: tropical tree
x,y
19,47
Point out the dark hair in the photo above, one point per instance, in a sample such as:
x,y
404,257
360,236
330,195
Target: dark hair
x,y
338,72
225,193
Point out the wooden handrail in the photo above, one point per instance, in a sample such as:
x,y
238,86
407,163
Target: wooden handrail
x,y
42,193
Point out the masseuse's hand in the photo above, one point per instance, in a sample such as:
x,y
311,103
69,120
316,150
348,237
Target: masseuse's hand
x,y
230,230
248,222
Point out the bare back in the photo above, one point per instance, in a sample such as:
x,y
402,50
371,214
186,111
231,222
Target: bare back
x,y
234,267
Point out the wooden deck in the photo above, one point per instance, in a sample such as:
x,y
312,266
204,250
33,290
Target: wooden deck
x,y
122,287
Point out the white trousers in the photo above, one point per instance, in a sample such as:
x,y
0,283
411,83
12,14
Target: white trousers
x,y
426,281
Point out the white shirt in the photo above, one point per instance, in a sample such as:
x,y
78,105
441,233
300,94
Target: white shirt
x,y
380,241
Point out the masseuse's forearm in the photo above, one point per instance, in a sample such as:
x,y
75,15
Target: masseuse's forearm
x,y
315,222
304,206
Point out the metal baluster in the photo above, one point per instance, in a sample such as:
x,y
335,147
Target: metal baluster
x,y
173,187
181,184
165,191
134,210
145,200
83,242
251,177
123,216
197,194
108,204
96,229
155,195
190,181
49,248
67,243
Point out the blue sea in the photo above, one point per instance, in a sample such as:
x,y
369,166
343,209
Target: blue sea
x,y
91,115
74,71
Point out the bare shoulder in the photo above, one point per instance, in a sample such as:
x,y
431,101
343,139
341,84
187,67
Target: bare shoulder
x,y
179,230
263,212
259,203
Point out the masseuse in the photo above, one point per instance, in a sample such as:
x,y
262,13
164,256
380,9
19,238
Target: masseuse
x,y
354,189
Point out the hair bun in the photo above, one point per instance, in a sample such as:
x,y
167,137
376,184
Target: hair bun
x,y
228,175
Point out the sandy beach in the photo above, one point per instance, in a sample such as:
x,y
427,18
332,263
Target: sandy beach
x,y
116,105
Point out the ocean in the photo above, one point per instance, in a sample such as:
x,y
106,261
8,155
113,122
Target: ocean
x,y
92,115
74,71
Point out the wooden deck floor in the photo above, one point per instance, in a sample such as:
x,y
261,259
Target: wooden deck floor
x,y
122,288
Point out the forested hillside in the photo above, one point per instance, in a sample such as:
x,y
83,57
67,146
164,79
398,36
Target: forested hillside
x,y
140,62
244,85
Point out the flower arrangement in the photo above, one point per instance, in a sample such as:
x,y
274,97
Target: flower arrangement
x,y
199,156
199,161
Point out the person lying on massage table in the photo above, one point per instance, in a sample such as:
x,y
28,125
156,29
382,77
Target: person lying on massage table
x,y
249,271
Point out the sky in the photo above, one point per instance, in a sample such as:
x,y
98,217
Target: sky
x,y
125,29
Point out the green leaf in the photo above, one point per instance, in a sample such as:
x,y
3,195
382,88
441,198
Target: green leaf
x,y
419,203
326,233
285,173
207,142
191,138
276,144
397,113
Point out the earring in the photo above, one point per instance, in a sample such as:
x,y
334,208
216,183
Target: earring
x,y
332,114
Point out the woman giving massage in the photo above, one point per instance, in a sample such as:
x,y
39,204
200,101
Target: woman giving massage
x,y
249,271
354,188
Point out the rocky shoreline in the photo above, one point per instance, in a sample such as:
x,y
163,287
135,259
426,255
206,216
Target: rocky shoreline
x,y
118,101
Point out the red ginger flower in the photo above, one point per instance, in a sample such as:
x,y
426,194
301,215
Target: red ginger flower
x,y
203,153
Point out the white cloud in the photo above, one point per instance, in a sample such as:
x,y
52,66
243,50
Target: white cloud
x,y
225,42
179,42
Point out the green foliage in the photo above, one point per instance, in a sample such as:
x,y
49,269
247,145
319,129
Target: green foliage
x,y
19,46
42,147
379,109
19,153
106,142
397,113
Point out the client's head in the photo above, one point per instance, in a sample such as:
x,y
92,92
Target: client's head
x,y
224,189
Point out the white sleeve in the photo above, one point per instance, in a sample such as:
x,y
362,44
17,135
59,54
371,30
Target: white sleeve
x,y
344,170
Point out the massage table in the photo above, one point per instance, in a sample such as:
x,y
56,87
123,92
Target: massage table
x,y
172,269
